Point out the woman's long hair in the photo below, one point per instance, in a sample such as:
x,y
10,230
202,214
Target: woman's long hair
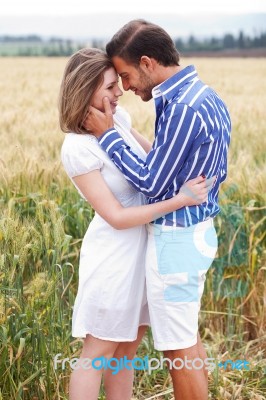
x,y
83,75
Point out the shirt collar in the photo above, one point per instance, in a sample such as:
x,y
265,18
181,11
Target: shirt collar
x,y
172,85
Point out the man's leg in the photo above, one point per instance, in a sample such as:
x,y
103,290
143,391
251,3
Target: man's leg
x,y
203,356
188,383
176,265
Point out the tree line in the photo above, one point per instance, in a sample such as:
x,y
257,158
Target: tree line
x,y
34,45
226,42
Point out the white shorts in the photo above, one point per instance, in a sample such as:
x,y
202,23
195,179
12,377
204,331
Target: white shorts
x,y
176,264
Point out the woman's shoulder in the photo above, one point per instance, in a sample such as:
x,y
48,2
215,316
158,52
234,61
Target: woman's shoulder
x,y
75,142
79,154
72,137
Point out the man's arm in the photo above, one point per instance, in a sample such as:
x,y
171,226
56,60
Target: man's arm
x,y
170,150
172,146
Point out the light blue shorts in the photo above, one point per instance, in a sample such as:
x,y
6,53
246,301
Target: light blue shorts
x,y
176,264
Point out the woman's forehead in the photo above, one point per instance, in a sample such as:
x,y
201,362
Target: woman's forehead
x,y
110,75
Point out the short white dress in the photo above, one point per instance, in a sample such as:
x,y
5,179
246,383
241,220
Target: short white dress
x,y
111,300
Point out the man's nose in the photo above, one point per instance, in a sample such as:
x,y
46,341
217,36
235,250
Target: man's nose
x,y
126,85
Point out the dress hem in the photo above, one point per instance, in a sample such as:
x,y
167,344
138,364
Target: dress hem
x,y
83,335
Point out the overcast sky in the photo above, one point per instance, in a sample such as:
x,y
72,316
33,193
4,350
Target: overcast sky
x,y
84,19
71,7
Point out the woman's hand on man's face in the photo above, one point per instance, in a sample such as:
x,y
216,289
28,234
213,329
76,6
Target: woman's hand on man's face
x,y
98,122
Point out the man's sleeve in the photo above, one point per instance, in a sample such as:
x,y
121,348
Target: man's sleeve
x,y
172,145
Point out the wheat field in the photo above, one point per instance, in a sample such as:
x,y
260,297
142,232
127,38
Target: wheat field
x,y
43,220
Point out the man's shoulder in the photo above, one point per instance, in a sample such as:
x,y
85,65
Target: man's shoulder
x,y
177,108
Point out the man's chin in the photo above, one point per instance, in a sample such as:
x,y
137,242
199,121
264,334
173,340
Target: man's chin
x,y
145,97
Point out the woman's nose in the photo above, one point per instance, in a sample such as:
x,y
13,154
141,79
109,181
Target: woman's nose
x,y
118,92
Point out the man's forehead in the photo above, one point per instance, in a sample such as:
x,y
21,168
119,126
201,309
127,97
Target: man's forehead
x,y
121,65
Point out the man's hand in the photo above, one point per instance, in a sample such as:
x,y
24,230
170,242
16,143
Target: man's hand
x,y
98,122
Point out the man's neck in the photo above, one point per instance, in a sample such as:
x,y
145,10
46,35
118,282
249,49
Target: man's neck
x,y
165,73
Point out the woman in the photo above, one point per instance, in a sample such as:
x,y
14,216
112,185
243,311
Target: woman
x,y
110,310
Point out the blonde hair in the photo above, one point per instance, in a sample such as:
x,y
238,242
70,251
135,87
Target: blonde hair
x,y
82,77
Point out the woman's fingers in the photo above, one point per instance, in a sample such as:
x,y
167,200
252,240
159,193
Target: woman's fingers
x,y
209,182
197,180
202,180
197,189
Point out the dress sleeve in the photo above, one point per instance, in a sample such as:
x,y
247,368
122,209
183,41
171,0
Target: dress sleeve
x,y
79,160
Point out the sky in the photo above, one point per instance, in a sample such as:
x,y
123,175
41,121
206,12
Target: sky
x,y
88,19
78,7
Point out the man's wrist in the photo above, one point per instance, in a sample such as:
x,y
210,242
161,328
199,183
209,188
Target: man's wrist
x,y
102,135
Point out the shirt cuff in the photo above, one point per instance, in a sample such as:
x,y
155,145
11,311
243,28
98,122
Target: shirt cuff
x,y
110,140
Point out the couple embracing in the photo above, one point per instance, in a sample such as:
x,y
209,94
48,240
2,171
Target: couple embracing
x,y
145,255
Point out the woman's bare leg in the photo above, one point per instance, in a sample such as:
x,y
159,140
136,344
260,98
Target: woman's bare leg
x,y
85,383
119,386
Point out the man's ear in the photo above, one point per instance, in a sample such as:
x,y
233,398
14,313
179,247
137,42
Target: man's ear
x,y
147,63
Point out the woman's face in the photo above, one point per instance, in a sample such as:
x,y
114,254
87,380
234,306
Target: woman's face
x,y
110,89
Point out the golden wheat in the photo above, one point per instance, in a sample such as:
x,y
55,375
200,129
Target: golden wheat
x,y
43,220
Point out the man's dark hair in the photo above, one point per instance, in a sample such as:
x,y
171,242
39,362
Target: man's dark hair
x,y
141,38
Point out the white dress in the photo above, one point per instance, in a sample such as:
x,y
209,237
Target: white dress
x,y
111,300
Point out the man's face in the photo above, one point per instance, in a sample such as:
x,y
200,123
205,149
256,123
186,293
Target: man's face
x,y
135,79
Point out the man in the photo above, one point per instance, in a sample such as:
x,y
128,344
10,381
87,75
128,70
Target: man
x,y
192,135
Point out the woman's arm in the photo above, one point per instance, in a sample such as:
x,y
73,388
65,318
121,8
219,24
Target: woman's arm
x,y
145,144
100,197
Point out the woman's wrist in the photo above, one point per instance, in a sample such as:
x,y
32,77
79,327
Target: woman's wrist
x,y
181,200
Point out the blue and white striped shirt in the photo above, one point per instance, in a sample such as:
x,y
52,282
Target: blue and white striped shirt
x,y
192,135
